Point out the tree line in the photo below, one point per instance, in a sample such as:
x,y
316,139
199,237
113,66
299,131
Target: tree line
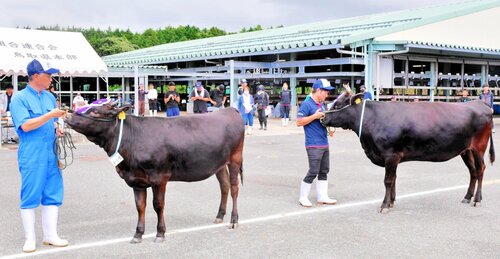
x,y
113,41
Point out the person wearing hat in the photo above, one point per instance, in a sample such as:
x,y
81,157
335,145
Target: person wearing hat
x,y
218,97
366,95
35,114
262,101
172,101
200,97
243,84
318,153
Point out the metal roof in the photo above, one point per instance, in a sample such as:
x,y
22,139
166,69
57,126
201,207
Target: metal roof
x,y
319,35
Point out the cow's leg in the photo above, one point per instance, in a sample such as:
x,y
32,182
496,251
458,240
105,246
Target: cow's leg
x,y
393,191
140,203
479,162
235,169
468,159
233,178
223,178
391,165
159,205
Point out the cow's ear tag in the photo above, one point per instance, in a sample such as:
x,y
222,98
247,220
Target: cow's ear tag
x,y
121,115
358,101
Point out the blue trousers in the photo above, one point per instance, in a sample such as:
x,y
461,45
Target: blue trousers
x,y
172,112
41,179
248,118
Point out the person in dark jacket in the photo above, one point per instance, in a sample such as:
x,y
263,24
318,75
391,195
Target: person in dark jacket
x,y
262,101
286,98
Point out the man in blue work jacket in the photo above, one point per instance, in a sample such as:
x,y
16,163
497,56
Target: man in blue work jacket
x,y
34,114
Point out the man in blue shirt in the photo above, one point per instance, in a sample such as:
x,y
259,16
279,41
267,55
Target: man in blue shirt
x,y
366,95
318,153
34,114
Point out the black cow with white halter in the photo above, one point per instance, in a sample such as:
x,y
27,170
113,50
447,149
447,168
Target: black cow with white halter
x,y
186,148
395,132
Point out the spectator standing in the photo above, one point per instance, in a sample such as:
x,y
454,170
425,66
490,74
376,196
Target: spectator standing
x,y
199,96
218,97
487,97
262,101
245,106
141,97
286,98
152,100
172,101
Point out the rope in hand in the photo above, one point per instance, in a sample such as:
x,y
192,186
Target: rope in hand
x,y
63,148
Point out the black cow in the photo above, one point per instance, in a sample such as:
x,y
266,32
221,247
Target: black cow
x,y
395,132
157,150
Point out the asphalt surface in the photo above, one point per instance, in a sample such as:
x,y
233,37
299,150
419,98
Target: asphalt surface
x,y
428,221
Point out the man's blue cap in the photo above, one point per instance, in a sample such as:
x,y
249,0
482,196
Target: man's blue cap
x,y
198,84
243,80
34,67
322,84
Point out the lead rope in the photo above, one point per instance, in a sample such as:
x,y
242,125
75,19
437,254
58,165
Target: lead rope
x,y
362,116
63,148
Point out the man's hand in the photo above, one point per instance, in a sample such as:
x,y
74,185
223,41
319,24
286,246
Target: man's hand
x,y
318,114
59,132
56,113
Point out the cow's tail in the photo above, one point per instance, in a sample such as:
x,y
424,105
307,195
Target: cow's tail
x,y
241,171
492,149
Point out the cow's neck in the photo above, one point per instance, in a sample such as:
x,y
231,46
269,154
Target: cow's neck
x,y
351,118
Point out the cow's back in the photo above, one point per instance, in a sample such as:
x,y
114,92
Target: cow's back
x,y
190,148
421,131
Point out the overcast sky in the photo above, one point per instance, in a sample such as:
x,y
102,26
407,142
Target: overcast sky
x,y
229,15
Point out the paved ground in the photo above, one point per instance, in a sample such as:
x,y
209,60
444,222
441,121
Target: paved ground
x,y
428,221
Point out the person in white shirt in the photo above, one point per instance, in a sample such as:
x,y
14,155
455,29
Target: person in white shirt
x,y
153,100
78,102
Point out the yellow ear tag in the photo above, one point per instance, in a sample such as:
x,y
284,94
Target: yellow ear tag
x,y
358,101
121,115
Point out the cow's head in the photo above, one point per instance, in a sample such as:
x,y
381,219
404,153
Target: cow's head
x,y
341,112
95,119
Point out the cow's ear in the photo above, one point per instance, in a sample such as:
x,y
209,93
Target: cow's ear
x,y
357,99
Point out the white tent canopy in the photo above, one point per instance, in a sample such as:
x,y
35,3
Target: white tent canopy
x,y
67,51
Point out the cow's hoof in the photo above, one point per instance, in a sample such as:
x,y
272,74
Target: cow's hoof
x,y
136,240
465,201
159,239
384,210
476,204
233,226
391,205
217,221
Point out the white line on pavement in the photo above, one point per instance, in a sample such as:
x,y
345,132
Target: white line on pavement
x,y
248,221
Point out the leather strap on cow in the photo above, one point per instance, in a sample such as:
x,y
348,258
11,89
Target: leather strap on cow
x,y
121,117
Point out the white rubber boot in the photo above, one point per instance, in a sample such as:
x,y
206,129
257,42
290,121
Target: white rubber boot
x,y
150,113
28,217
305,188
155,112
49,224
322,191
283,122
249,130
286,121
